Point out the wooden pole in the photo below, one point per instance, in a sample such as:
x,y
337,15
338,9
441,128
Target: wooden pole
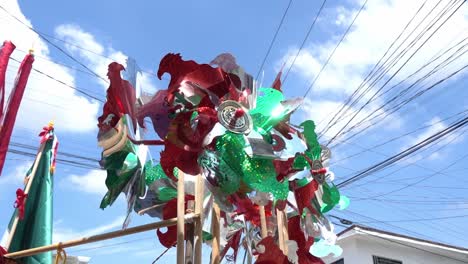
x,y
180,220
199,197
279,221
263,223
285,231
189,235
215,247
105,236
26,191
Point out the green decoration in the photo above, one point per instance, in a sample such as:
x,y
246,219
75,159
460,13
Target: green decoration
x,y
268,111
228,180
313,147
344,202
300,163
153,173
167,193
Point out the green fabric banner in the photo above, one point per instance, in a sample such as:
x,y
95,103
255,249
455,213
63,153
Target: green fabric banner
x,y
36,227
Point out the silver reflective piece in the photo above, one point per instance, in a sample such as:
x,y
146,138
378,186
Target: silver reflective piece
x,y
317,165
260,148
326,155
226,112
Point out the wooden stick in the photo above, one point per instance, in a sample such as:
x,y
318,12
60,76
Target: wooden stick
x,y
180,220
26,191
142,211
199,197
279,221
105,236
215,247
263,223
285,231
189,235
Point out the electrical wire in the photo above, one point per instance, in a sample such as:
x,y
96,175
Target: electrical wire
x,y
405,153
274,39
394,74
53,44
304,40
334,50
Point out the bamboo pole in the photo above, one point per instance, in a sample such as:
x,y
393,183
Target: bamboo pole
x,y
199,197
215,247
279,221
285,231
26,191
263,223
180,220
100,237
189,235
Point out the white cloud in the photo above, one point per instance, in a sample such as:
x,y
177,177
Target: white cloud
x,y
44,99
322,111
17,176
63,234
371,35
435,125
98,63
93,182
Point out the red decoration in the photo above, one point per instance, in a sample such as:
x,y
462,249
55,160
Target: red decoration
x,y
20,203
233,243
13,106
295,233
169,238
272,253
158,111
121,99
5,53
284,168
245,206
173,156
304,196
319,171
277,82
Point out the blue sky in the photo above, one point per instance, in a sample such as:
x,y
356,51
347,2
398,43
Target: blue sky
x,y
200,30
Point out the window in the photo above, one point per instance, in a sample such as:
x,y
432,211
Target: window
x,y
340,261
382,260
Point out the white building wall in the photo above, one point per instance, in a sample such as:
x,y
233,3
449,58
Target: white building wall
x,y
359,250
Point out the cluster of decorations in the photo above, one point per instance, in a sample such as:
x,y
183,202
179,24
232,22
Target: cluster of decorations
x,y
214,121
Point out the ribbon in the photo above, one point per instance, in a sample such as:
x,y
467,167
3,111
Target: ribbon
x,y
20,202
45,133
61,255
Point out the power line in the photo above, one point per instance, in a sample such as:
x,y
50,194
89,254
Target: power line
x,y
304,40
395,138
404,102
405,153
336,47
394,74
274,39
62,82
376,68
53,44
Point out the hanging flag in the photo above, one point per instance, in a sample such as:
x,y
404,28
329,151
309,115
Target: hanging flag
x,y
5,53
8,120
35,229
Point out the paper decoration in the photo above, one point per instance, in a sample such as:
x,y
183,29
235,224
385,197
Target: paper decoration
x,y
215,122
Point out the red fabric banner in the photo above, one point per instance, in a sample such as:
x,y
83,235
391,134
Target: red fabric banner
x,y
13,106
5,53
